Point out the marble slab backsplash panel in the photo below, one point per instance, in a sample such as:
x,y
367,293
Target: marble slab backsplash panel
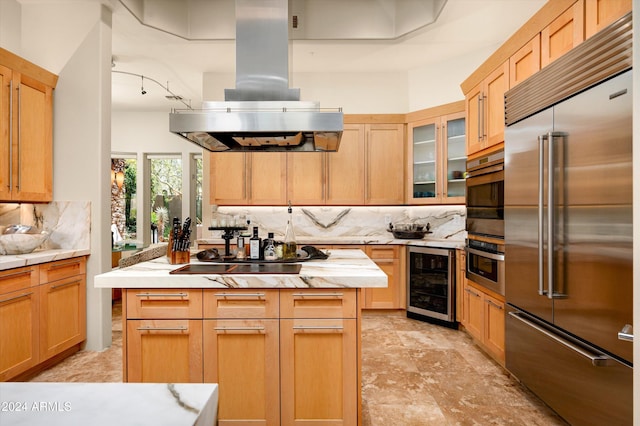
x,y
69,222
447,222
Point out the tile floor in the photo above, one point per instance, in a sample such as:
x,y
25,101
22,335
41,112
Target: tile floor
x,y
413,373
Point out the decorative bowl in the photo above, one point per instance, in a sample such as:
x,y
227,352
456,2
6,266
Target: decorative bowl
x,y
409,231
18,243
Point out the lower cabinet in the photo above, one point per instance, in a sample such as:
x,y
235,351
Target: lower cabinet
x,y
483,317
42,314
279,356
391,259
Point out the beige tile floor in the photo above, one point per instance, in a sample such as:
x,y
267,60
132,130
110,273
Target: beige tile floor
x,y
413,373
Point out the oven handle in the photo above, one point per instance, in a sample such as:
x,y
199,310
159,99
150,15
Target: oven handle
x,y
494,256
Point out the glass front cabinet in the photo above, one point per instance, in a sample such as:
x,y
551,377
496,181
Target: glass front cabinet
x,y
437,160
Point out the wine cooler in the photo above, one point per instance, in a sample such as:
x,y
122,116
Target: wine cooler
x,y
431,278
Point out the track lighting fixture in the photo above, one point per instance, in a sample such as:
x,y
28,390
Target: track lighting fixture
x,y
171,96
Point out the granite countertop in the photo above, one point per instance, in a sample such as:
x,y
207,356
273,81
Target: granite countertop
x,y
10,261
343,269
425,242
108,404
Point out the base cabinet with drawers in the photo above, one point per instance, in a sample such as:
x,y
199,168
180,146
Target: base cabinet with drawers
x,y
42,315
279,356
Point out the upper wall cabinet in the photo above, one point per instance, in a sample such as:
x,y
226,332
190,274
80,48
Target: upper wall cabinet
x,y
525,62
485,110
384,164
563,34
436,160
600,13
26,130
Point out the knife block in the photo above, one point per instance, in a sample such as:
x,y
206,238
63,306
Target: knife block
x,y
176,257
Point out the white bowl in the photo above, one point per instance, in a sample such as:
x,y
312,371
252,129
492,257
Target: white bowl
x,y
21,243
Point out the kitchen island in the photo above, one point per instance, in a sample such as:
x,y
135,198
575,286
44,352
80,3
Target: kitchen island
x,y
283,348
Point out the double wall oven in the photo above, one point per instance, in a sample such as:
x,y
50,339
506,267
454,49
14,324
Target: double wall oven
x,y
485,221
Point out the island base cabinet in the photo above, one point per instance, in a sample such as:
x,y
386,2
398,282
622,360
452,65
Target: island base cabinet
x,y
164,351
241,356
319,371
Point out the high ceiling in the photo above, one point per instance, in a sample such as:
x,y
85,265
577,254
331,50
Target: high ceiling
x,y
463,26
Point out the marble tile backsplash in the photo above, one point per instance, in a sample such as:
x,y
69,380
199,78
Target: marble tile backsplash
x,y
69,222
447,222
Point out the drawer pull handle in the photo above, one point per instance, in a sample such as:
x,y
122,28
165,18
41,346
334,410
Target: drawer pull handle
x,y
494,304
15,274
317,295
180,328
53,287
257,328
63,265
162,294
318,327
259,295
16,297
471,292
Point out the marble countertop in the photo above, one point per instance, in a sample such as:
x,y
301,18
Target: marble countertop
x,y
108,404
10,261
425,242
343,269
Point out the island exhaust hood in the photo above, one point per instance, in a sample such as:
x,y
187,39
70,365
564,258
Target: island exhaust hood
x,y
262,113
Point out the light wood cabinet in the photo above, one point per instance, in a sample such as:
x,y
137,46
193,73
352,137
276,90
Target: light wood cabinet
x,y
391,259
345,169
600,13
167,303
19,323
485,110
525,62
563,34
306,177
164,351
42,315
436,160
26,130
483,317
384,157
461,277
256,178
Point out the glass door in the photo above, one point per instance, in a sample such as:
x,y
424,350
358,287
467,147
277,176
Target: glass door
x,y
456,159
430,275
424,164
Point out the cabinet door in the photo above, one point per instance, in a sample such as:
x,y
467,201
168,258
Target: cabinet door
x,y
600,13
461,259
453,159
241,356
394,295
494,326
164,351
497,83
474,312
474,106
5,134
62,315
306,178
228,178
33,141
345,168
423,166
525,62
319,371
268,171
563,34
19,330
384,164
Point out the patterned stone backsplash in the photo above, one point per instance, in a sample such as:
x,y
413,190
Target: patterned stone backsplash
x,y
69,222
447,222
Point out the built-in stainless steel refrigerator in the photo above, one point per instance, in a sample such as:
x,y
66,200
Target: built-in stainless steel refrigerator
x,y
568,231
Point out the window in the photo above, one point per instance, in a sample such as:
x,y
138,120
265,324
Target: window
x,y
123,197
165,190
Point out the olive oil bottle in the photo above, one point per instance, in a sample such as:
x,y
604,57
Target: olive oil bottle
x,y
290,247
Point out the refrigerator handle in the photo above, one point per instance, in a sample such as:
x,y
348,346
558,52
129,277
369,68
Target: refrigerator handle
x,y
597,360
550,215
626,333
541,139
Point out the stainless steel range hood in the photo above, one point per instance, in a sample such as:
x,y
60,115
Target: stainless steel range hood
x,y
262,113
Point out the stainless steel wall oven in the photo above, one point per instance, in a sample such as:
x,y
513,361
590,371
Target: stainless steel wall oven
x,y
485,195
485,264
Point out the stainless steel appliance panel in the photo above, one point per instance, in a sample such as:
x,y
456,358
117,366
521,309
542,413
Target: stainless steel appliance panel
x,y
485,264
485,195
593,195
580,383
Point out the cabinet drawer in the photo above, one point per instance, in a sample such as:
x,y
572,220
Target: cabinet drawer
x,y
62,269
245,303
18,279
384,252
318,303
164,303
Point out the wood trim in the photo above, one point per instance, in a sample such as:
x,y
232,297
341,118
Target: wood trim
x,y
27,68
546,14
486,151
374,118
436,111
